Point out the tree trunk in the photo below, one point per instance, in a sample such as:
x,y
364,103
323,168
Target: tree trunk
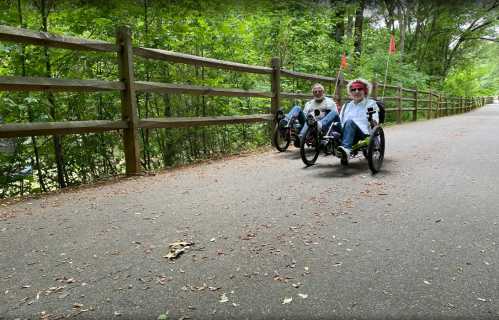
x,y
203,112
402,27
348,31
44,10
35,163
339,30
390,18
424,50
359,21
146,132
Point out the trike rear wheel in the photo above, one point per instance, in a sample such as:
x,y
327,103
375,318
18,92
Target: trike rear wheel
x,y
281,138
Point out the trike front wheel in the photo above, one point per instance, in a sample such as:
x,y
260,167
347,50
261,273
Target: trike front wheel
x,y
376,150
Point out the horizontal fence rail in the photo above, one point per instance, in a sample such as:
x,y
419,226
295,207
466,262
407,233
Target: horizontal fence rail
x,y
51,84
433,103
182,122
197,90
306,76
46,39
159,54
11,130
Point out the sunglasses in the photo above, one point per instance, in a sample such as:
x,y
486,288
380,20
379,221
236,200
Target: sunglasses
x,y
356,89
317,91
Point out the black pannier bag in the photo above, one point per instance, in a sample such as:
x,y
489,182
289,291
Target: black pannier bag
x,y
381,107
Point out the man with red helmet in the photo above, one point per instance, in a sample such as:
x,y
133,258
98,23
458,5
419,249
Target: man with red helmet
x,y
353,115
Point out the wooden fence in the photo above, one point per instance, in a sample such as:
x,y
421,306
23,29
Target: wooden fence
x,y
435,104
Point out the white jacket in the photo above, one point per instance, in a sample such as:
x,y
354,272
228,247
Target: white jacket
x,y
326,104
357,112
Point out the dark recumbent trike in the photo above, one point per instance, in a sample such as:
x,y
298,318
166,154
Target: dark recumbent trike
x,y
372,147
286,132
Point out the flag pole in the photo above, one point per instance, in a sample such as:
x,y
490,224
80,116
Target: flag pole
x,y
336,82
391,50
386,74
343,64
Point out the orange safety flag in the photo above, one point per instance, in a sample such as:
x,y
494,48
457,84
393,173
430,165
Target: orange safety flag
x,y
391,49
344,63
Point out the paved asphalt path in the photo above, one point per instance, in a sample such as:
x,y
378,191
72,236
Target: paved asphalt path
x,y
417,241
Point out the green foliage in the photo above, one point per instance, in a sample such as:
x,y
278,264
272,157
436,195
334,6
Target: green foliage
x,y
478,77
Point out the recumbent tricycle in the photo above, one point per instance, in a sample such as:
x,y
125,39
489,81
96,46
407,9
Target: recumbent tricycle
x,y
372,146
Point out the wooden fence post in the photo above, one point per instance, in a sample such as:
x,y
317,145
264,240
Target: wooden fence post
x,y
128,100
415,112
276,88
439,105
430,96
447,105
399,104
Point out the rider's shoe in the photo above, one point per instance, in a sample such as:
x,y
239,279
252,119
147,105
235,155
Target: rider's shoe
x,y
345,153
311,121
296,143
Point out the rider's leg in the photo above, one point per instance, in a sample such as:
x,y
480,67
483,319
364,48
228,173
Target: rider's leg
x,y
350,130
294,113
359,135
326,122
301,117
303,129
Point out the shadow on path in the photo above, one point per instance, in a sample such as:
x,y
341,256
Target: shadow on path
x,y
334,169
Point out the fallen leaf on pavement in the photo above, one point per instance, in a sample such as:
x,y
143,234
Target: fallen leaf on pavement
x,y
287,300
223,298
177,248
163,279
54,289
248,236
